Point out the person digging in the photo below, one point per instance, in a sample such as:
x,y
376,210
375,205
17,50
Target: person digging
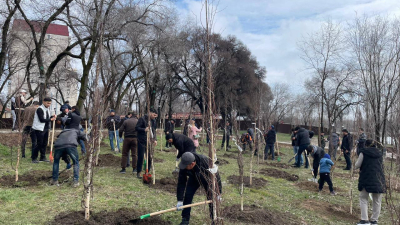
x,y
194,171
317,153
182,144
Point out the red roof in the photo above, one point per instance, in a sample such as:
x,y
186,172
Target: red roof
x,y
57,29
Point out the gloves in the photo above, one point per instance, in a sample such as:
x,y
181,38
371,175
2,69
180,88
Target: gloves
x,y
180,204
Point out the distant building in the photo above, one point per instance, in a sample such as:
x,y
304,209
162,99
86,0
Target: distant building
x,y
63,83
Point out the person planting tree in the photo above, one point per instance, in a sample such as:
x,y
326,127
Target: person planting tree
x,y
324,173
317,153
303,141
194,172
142,127
67,143
128,128
182,143
246,139
270,139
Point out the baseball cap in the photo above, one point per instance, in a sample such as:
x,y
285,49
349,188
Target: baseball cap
x,y
186,159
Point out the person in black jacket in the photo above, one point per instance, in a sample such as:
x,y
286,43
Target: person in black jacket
x,y
270,139
169,129
346,148
303,141
226,135
182,143
295,146
142,127
371,180
361,140
194,173
317,153
128,128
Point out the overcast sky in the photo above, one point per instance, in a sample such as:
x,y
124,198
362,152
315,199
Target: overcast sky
x,y
271,29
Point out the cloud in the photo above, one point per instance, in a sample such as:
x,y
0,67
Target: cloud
x,y
271,29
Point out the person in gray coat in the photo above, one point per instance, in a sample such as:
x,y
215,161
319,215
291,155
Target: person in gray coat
x,y
334,140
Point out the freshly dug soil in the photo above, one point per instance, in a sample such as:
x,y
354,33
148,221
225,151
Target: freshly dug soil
x,y
257,182
221,162
109,160
169,184
11,139
252,214
311,186
121,217
33,178
332,211
228,155
279,174
278,165
169,150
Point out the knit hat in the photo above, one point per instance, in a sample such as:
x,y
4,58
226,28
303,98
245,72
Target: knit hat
x,y
186,159
168,136
297,128
327,156
112,110
272,126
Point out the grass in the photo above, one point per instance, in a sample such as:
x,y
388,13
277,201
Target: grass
x,y
112,190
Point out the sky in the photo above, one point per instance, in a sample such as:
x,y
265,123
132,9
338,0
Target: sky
x,y
272,29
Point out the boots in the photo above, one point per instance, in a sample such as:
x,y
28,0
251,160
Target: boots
x,y
185,221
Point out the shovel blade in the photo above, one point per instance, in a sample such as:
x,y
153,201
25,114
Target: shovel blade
x,y
147,179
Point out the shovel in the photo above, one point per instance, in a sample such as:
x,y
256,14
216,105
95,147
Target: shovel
x,y
292,158
52,140
116,140
176,165
147,177
169,210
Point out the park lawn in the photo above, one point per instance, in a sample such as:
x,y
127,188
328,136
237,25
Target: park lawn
x,y
112,191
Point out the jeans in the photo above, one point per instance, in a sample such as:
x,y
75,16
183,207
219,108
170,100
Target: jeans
x,y
42,138
14,118
295,150
302,148
132,145
141,156
111,136
334,151
269,148
73,154
82,144
376,205
325,177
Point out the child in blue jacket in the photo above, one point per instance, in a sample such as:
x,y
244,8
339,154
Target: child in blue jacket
x,y
324,173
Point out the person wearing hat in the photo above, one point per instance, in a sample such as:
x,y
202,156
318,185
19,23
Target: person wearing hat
x,y
19,106
194,172
112,123
270,139
169,129
303,141
41,126
182,143
324,176
142,127
371,180
128,129
346,148
65,106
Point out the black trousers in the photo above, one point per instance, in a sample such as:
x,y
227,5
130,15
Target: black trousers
x,y
302,149
167,144
140,157
316,166
42,138
269,148
348,159
192,185
223,140
325,177
250,146
28,132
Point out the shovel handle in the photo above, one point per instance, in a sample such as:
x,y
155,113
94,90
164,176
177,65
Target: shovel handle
x,y
52,140
174,209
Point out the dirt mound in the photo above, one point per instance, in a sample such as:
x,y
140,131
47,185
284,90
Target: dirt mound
x,y
33,178
169,149
169,184
106,160
278,165
311,186
256,182
156,160
221,162
252,214
11,139
279,174
330,210
228,155
121,217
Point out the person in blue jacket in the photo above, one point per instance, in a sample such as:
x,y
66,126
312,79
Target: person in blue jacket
x,y
324,173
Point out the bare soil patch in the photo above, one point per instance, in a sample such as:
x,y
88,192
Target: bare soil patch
x,y
330,210
11,139
230,155
169,150
109,160
169,184
121,217
221,162
33,178
256,182
279,174
278,165
156,160
313,187
252,214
